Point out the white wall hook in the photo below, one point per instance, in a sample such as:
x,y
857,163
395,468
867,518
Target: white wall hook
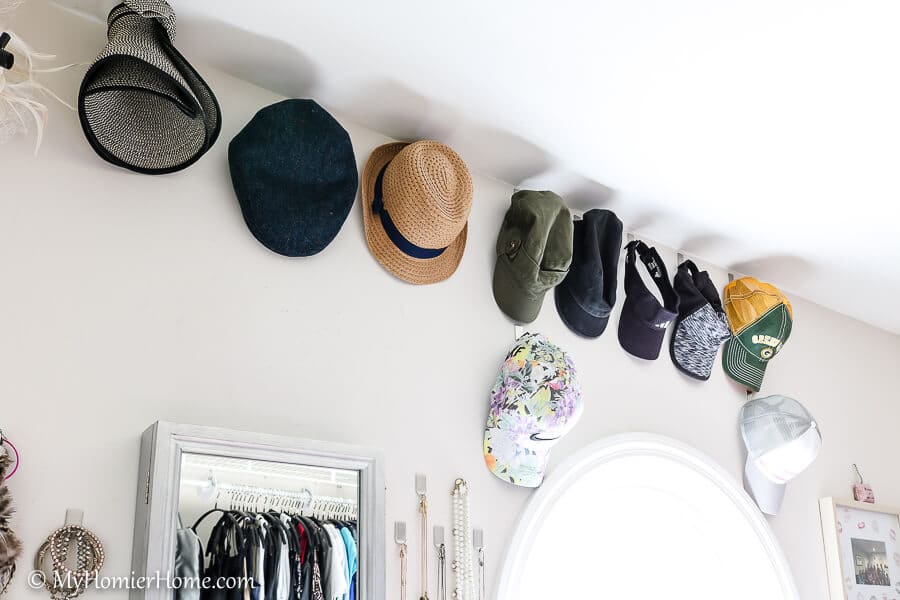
x,y
74,516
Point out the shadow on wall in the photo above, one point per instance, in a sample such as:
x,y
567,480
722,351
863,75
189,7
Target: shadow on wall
x,y
580,193
392,108
385,106
264,62
777,268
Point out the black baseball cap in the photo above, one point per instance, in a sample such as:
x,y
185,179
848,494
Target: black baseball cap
x,y
588,293
644,321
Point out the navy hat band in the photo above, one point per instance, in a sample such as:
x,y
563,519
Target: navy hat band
x,y
403,244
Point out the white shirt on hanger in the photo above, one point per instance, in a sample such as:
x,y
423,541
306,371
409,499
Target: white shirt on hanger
x,y
284,573
339,583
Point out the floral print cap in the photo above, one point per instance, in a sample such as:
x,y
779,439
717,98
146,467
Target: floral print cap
x,y
535,402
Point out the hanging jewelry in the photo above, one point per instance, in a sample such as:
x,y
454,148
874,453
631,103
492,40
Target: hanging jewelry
x,y
478,537
62,582
442,563
400,538
462,543
423,540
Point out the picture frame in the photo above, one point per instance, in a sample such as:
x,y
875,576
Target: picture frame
x,y
862,549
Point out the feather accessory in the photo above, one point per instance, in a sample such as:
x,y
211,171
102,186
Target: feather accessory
x,y
21,94
10,544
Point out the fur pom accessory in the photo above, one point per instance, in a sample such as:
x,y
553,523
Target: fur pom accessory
x,y
10,544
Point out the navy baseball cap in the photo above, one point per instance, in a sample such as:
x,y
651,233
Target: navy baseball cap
x,y
588,293
644,321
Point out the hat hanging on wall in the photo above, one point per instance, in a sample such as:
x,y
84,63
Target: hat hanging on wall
x,y
761,319
416,202
782,439
644,321
534,403
142,105
295,176
701,326
588,293
534,252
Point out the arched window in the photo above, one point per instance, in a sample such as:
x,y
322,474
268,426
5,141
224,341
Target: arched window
x,y
643,516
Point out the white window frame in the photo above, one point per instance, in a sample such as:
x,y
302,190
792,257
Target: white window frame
x,y
617,447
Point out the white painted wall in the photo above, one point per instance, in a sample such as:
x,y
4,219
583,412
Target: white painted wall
x,y
129,299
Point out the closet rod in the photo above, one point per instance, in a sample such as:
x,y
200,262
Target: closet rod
x,y
252,489
275,475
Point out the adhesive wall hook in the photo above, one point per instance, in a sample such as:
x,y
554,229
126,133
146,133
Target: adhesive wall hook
x,y
74,516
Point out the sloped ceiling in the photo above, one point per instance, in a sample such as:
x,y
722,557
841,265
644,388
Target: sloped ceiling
x,y
760,135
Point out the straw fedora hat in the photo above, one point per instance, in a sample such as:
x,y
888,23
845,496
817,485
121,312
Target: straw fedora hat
x,y
416,203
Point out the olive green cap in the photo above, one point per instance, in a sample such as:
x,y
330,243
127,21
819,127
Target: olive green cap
x,y
534,251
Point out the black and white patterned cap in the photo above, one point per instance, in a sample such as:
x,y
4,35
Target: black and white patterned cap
x,y
142,105
701,326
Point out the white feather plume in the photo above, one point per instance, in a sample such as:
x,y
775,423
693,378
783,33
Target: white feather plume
x,y
21,94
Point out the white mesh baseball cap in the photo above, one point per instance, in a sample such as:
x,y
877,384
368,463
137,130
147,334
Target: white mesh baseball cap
x,y
782,440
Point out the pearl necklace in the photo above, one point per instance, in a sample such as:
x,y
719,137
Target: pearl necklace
x,y
462,543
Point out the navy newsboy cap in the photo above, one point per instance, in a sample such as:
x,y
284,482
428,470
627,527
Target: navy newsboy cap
x,y
295,176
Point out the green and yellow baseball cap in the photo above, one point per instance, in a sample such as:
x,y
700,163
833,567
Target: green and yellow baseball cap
x,y
760,317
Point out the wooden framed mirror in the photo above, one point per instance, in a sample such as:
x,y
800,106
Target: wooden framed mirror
x,y
188,471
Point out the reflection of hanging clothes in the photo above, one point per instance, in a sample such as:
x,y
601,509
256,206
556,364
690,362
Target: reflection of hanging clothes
x,y
281,557
352,560
259,552
284,569
188,552
338,579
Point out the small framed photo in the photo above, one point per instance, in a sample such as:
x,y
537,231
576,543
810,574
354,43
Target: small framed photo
x,y
861,550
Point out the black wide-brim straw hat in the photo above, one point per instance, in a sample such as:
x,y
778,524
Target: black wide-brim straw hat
x,y
142,105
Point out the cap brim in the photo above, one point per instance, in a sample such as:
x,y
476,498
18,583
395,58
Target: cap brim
x,y
576,318
518,305
767,494
407,268
693,359
639,339
515,464
742,366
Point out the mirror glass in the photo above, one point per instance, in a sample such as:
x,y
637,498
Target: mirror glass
x,y
647,524
274,504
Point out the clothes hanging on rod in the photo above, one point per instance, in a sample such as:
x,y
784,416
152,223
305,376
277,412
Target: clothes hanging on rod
x,y
280,555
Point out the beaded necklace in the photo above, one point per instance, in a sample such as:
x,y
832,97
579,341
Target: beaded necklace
x,y
462,543
64,583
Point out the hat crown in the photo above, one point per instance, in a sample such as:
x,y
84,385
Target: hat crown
x,y
747,300
428,193
537,386
771,422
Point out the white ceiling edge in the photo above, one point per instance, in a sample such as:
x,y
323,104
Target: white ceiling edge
x,y
757,136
